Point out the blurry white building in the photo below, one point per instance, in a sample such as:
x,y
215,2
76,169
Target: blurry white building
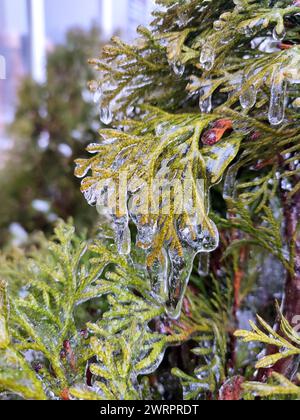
x,y
123,16
37,39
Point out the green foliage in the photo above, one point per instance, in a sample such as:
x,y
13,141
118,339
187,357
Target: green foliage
x,y
45,356
247,133
239,60
212,344
41,319
180,139
278,387
288,343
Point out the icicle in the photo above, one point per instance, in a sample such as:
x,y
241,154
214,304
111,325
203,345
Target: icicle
x,y
159,277
248,97
277,101
195,240
205,100
229,192
178,68
180,270
207,57
203,268
122,234
97,95
106,115
145,235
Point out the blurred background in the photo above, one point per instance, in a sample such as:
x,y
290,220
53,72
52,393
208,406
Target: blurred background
x,y
47,115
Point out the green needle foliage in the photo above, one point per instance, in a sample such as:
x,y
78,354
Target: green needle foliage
x,y
289,346
209,93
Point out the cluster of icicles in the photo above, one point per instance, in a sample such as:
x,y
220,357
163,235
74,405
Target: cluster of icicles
x,y
169,273
248,97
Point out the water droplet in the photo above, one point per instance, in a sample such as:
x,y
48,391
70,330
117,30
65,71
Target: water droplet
x,y
248,97
205,99
106,115
207,57
277,100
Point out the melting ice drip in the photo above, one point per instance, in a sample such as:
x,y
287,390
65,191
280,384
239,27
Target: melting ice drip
x,y
277,105
278,97
106,115
195,240
170,275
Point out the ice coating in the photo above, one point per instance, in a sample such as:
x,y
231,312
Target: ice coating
x,y
122,234
277,99
248,96
195,239
106,115
158,273
180,270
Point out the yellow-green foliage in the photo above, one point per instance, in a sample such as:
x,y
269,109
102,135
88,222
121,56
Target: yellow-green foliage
x,y
288,343
197,52
43,353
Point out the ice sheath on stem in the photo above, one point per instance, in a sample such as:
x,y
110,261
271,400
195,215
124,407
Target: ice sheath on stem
x,y
195,239
122,234
248,96
278,96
